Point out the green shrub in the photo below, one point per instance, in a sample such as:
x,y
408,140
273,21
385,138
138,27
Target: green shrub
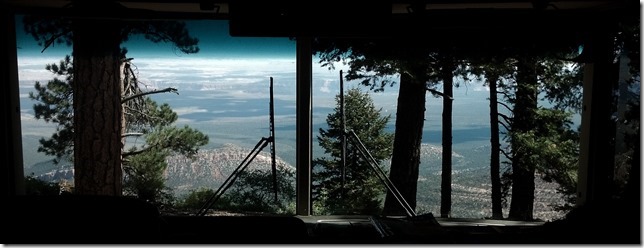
x,y
35,186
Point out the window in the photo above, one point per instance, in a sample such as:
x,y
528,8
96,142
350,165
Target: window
x,y
223,91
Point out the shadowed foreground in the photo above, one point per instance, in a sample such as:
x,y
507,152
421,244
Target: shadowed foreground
x,y
117,220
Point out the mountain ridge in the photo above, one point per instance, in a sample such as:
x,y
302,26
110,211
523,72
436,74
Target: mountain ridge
x,y
209,168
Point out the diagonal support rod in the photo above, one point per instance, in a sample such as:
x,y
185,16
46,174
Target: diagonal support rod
x,y
233,176
261,144
381,174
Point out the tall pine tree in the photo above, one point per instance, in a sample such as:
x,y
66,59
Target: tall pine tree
x,y
361,192
97,90
143,164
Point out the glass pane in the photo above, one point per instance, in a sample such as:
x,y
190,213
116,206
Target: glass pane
x,y
223,91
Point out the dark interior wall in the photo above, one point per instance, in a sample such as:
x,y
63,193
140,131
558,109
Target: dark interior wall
x,y
12,171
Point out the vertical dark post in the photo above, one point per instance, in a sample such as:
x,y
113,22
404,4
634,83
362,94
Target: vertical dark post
x,y
303,149
596,162
13,173
446,168
343,151
271,138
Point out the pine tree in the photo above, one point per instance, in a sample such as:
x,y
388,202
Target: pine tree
x,y
143,164
97,105
362,193
494,71
541,140
144,176
55,105
253,191
374,63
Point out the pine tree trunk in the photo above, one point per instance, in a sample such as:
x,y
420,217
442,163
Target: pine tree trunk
x,y
495,163
97,108
446,175
522,205
410,118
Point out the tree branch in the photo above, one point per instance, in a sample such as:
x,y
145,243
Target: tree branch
x,y
435,92
505,94
508,156
53,39
170,89
505,117
127,154
504,125
131,134
504,105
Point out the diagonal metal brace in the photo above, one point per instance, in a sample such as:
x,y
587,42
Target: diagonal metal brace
x,y
381,174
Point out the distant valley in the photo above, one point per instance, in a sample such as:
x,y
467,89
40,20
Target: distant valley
x,y
470,185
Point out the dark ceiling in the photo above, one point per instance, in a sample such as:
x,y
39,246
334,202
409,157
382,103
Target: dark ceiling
x,y
219,9
464,23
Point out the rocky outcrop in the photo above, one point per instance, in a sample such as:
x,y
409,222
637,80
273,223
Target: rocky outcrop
x,y
210,168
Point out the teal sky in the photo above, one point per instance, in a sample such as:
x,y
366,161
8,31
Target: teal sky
x,y
214,42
